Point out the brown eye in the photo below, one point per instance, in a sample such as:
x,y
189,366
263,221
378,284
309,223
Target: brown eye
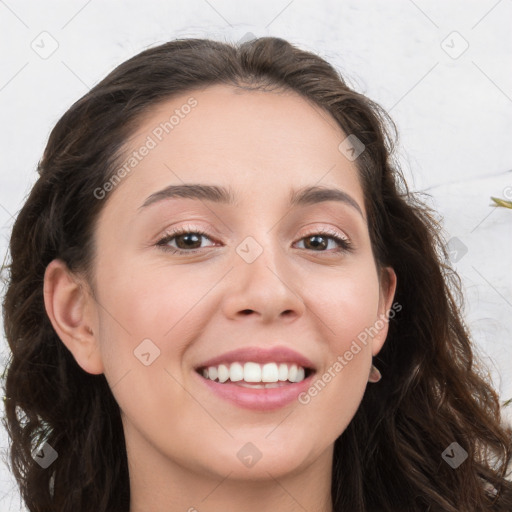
x,y
316,241
319,242
186,241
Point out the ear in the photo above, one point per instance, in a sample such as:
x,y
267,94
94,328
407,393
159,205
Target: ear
x,y
386,294
70,307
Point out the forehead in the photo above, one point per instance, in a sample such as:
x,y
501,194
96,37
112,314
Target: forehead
x,y
224,116
254,141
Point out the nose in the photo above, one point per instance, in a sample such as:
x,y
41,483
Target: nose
x,y
265,288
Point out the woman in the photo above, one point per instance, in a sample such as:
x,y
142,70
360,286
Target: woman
x,y
215,268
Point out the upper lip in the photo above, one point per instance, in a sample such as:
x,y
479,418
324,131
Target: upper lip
x,y
260,355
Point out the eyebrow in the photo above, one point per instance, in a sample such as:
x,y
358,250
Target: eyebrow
x,y
298,197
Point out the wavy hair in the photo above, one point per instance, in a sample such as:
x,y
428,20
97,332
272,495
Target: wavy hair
x,y
434,392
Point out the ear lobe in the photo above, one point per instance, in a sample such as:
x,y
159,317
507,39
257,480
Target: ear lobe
x,y
387,287
70,309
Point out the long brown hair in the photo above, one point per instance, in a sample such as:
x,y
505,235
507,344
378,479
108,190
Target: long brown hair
x,y
434,394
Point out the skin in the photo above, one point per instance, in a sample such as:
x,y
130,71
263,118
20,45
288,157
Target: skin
x,y
182,440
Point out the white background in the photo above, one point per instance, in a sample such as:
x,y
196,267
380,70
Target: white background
x,y
453,109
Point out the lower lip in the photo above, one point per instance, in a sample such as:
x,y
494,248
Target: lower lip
x,y
265,399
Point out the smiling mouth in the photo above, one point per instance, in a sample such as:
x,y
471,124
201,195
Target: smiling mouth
x,y
256,376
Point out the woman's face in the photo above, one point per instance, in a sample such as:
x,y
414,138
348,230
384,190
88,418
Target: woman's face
x,y
272,277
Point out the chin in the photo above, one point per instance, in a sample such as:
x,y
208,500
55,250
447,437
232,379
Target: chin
x,y
257,460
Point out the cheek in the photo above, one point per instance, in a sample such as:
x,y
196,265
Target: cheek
x,y
153,310
144,316
150,302
347,308
347,304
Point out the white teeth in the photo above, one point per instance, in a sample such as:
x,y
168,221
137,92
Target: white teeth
x,y
252,372
223,373
261,385
268,375
236,372
292,373
212,372
283,371
301,373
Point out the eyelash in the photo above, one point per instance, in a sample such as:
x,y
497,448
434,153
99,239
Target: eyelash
x,y
345,245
